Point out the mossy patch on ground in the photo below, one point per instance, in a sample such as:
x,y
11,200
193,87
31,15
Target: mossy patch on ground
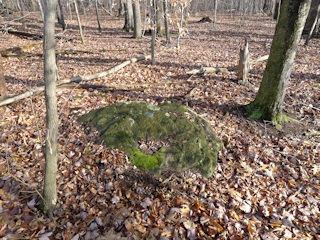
x,y
158,137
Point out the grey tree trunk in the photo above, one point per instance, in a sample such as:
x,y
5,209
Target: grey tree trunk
x,y
215,12
268,103
312,16
61,15
121,8
153,31
314,26
50,77
161,31
97,14
268,7
166,21
137,19
129,22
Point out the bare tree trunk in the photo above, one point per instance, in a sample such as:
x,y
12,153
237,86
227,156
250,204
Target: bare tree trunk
x,y
137,19
268,7
79,22
180,25
121,8
110,6
166,23
61,15
50,78
129,22
268,103
215,12
97,14
313,14
316,19
153,31
40,7
160,19
3,89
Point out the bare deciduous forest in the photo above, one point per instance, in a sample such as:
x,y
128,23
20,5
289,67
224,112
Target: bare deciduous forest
x,y
267,181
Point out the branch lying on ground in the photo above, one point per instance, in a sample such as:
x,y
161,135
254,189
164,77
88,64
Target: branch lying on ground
x,y
76,79
223,70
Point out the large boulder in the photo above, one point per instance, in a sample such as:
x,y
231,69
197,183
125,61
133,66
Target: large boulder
x,y
166,136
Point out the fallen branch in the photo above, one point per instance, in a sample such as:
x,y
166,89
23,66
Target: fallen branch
x,y
24,34
208,70
125,87
260,59
203,70
16,51
76,79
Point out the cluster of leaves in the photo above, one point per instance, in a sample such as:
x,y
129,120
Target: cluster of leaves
x,y
266,184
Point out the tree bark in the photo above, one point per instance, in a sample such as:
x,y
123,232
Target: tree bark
x,y
244,63
153,31
268,103
97,14
61,16
166,21
268,7
3,89
161,31
129,22
313,28
313,16
50,78
137,19
215,12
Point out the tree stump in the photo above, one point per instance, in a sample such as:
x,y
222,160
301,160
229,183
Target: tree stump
x,y
244,63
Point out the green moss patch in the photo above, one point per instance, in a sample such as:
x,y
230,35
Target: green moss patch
x,y
167,136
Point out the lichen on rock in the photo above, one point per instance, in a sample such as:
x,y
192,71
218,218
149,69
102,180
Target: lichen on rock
x,y
157,137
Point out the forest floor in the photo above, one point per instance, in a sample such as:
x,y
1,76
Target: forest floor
x,y
267,182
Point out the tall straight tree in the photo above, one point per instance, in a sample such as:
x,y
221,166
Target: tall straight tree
x,y
268,103
137,31
50,78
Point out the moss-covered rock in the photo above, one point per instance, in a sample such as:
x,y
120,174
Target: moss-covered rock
x,y
167,136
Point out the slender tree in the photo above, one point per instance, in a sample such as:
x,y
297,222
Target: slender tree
x,y
97,14
3,89
61,15
78,19
166,20
153,31
268,103
314,25
50,78
215,12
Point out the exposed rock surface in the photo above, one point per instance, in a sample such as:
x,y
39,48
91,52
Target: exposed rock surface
x,y
167,136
